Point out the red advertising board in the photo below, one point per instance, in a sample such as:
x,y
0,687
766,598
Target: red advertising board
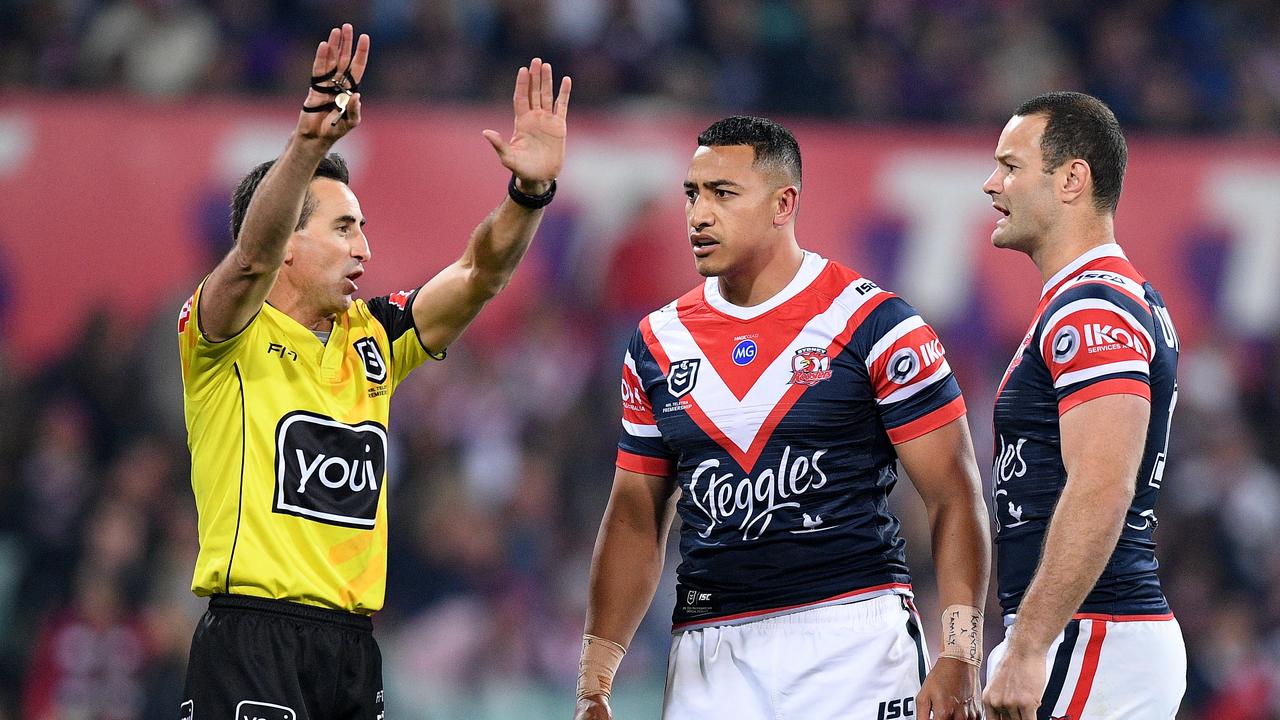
x,y
120,204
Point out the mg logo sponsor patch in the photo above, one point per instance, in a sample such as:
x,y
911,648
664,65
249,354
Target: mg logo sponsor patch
x,y
744,352
682,376
329,471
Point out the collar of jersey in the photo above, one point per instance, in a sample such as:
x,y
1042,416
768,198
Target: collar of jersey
x,y
810,267
1105,250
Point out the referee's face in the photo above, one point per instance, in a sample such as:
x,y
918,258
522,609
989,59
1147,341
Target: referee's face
x,y
328,254
731,207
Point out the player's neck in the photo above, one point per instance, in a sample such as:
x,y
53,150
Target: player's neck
x,y
1071,240
760,282
288,300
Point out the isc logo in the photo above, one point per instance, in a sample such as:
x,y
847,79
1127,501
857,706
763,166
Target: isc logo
x,y
894,709
329,471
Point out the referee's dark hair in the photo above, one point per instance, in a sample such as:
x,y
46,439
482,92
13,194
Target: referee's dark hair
x,y
1082,126
775,147
332,167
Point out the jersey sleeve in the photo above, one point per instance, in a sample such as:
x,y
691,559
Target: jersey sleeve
x,y
915,391
203,361
395,313
1096,341
641,448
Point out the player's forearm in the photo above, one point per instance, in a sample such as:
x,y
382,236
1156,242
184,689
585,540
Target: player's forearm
x,y
498,245
277,203
961,546
625,571
1082,536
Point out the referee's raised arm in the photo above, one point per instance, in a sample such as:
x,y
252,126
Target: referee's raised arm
x,y
534,154
235,290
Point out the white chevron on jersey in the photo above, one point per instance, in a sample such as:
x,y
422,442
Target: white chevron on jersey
x,y
739,421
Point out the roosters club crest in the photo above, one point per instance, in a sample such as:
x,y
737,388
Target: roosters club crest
x,y
683,374
810,366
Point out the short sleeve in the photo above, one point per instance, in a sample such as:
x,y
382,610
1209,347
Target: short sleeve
x,y
641,448
1096,341
202,359
915,391
395,313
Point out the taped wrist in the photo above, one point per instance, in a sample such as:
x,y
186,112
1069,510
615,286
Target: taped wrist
x,y
597,665
962,634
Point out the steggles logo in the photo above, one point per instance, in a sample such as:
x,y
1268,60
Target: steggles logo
x,y
721,497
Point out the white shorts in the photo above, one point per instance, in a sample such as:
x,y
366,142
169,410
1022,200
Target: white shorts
x,y
1107,667
861,660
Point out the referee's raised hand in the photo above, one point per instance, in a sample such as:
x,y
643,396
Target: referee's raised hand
x,y
332,107
535,151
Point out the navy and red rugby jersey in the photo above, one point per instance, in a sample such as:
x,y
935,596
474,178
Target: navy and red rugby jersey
x,y
1100,329
778,422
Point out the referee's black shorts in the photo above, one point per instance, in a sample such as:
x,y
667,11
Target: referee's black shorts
x,y
276,660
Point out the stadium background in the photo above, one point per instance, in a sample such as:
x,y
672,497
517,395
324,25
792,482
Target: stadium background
x,y
124,124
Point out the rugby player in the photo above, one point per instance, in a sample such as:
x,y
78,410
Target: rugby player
x,y
1082,423
769,407
287,379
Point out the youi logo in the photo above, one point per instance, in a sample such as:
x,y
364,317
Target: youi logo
x,y
744,352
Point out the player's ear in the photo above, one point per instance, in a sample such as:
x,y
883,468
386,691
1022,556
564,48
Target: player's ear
x,y
786,200
288,249
1075,179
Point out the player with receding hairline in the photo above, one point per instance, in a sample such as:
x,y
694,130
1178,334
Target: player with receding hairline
x,y
1082,423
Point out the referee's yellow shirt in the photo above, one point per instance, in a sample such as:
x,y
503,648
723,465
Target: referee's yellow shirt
x,y
288,443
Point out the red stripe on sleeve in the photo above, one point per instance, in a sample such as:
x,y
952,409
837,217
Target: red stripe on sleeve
x,y
1115,386
645,465
928,423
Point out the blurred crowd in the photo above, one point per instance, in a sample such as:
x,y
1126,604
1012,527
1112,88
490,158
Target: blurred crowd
x,y
1167,65
502,455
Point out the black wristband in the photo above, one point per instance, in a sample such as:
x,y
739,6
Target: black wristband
x,y
533,202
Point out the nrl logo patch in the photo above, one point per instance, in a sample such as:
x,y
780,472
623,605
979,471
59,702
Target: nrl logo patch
x,y
682,376
810,366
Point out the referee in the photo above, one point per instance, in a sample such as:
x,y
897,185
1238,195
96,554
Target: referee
x,y
287,380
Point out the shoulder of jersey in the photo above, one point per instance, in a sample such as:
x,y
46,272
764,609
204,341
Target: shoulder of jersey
x,y
832,281
835,278
666,313
1113,277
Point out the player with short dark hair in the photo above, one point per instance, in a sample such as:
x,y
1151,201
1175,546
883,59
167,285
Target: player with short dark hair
x,y
287,380
769,407
1082,424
